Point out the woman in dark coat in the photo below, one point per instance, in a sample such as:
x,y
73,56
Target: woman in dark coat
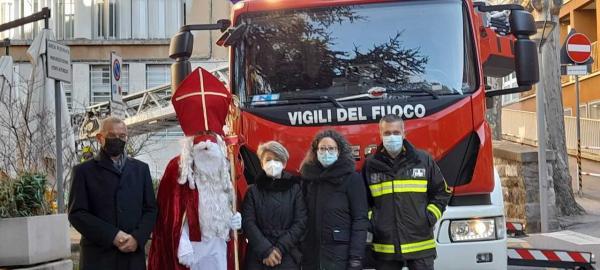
x,y
274,213
337,206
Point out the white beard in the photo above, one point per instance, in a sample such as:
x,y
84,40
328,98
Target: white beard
x,y
204,166
211,174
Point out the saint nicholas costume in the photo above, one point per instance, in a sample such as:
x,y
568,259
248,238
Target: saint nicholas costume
x,y
196,193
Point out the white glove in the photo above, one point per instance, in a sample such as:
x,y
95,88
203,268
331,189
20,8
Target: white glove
x,y
185,251
187,260
235,223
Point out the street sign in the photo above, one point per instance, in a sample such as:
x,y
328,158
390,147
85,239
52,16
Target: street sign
x,y
117,107
115,77
577,70
579,48
58,61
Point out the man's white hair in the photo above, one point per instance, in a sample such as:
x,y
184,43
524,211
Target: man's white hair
x,y
110,121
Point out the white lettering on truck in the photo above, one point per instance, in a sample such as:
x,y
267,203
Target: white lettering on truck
x,y
354,114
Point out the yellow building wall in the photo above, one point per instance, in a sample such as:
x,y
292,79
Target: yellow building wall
x,y
589,91
583,15
584,21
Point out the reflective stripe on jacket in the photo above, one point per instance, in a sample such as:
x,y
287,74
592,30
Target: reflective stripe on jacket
x,y
407,196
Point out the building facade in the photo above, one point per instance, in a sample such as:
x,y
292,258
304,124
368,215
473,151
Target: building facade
x,y
584,17
138,30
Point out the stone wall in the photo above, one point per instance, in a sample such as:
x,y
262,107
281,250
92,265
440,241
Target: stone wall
x,y
517,166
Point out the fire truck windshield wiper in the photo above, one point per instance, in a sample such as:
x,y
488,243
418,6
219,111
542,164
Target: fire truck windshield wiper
x,y
415,91
296,100
323,98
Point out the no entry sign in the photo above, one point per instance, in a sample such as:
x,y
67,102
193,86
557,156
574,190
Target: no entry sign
x,y
579,48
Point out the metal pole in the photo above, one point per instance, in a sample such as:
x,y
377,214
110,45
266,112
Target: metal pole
x,y
59,161
542,166
42,15
579,176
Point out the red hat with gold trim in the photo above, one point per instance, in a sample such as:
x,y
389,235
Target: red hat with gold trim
x,y
201,103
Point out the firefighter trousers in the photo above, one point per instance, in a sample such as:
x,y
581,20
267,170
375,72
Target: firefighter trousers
x,y
418,264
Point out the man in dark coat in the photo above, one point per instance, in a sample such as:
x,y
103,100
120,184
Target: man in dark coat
x,y
112,204
408,195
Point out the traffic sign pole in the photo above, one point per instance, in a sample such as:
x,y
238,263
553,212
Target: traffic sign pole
x,y
58,67
579,50
579,175
59,161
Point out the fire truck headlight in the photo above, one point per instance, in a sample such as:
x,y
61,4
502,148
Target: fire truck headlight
x,y
476,229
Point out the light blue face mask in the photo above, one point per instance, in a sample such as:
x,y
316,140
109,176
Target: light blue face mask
x,y
393,143
327,158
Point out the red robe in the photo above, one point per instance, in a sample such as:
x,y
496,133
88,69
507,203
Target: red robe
x,y
174,200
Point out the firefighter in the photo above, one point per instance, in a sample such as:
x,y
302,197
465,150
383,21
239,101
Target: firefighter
x,y
407,194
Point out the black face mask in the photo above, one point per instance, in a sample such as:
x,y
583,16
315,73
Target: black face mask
x,y
114,146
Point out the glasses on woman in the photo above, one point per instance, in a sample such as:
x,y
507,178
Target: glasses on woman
x,y
329,149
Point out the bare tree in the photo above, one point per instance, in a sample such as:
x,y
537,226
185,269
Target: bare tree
x,y
27,134
136,145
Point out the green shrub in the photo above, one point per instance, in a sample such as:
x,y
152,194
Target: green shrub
x,y
24,196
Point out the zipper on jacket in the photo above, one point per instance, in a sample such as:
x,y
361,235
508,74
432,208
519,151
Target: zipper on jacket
x,y
320,218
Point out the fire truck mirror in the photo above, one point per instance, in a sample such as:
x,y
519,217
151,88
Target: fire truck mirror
x,y
526,62
180,49
179,70
181,45
522,24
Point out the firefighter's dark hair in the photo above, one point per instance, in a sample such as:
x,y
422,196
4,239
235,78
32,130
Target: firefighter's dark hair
x,y
344,151
391,118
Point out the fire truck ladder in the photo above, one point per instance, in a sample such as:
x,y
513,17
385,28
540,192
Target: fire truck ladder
x,y
146,111
535,257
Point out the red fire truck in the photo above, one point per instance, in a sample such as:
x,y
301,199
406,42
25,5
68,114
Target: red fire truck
x,y
297,67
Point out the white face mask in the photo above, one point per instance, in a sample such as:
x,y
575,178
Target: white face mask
x,y
393,143
273,168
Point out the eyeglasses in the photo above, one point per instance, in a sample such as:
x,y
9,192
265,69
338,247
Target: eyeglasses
x,y
327,149
120,136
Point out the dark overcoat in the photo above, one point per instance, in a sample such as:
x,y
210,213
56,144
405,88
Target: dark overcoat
x,y
336,200
104,200
274,216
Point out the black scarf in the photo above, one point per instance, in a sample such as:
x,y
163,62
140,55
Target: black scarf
x,y
335,173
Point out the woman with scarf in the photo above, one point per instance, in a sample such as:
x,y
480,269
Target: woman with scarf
x,y
274,213
336,199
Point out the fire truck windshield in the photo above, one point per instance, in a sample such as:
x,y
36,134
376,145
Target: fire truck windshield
x,y
405,47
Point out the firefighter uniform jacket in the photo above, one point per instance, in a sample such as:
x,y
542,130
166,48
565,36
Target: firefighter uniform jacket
x,y
407,196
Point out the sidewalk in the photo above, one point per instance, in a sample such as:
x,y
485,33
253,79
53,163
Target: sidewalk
x,y
75,237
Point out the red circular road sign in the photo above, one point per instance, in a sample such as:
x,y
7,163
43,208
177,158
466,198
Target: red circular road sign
x,y
579,48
